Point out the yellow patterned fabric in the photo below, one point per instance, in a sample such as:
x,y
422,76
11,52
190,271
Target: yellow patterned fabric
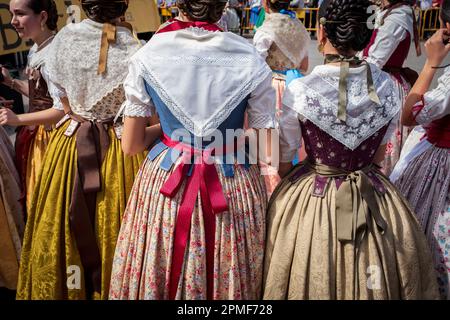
x,y
11,215
35,158
50,259
305,260
9,259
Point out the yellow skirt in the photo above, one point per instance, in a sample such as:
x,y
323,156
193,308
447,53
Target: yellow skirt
x,y
11,217
50,263
35,160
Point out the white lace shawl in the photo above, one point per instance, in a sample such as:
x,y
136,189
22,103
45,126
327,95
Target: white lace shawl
x,y
315,97
201,76
290,36
72,62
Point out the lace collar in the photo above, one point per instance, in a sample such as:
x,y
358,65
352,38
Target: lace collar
x,y
289,35
315,97
72,62
201,75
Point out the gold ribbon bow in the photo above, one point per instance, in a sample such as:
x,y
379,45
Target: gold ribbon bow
x,y
344,71
356,205
108,36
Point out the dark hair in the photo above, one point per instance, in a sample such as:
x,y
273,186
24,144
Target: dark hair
x,y
407,2
104,11
278,5
202,10
48,6
346,25
445,11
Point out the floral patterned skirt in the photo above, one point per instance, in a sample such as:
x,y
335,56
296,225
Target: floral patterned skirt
x,y
142,261
426,185
395,144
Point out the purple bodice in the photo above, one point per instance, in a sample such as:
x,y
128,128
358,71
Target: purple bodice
x,y
322,148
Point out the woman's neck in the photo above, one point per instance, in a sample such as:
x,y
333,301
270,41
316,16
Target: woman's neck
x,y
328,49
42,37
183,17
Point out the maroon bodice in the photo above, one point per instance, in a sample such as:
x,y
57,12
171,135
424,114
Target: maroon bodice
x,y
322,148
40,99
400,54
438,132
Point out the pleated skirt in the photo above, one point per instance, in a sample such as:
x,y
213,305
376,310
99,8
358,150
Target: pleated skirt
x,y
426,185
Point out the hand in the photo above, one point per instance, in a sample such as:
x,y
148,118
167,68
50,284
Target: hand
x,y
435,48
5,76
6,103
7,116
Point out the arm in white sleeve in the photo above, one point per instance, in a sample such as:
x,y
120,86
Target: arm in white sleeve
x,y
436,103
56,92
262,42
290,134
262,105
386,42
138,102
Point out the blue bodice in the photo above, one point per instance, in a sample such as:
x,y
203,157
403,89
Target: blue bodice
x,y
170,124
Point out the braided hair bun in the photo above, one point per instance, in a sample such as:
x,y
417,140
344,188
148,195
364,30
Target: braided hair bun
x,y
202,10
104,11
278,5
346,24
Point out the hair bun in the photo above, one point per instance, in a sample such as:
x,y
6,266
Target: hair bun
x,y
346,24
202,10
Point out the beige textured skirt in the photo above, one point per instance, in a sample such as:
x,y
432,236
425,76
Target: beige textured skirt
x,y
306,260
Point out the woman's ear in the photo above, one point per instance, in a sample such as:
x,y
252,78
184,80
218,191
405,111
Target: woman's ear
x,y
321,38
44,17
447,25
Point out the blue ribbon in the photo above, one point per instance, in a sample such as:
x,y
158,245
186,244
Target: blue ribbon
x,y
291,75
291,14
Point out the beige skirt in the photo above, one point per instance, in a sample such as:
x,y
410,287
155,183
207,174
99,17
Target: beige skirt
x,y
306,260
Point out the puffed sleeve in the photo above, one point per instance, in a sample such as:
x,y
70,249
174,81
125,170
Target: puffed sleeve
x,y
289,127
261,105
435,103
55,90
262,42
386,42
138,102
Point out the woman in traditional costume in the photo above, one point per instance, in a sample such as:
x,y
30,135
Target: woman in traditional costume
x,y
11,218
35,20
283,42
85,181
424,175
194,231
395,27
337,228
